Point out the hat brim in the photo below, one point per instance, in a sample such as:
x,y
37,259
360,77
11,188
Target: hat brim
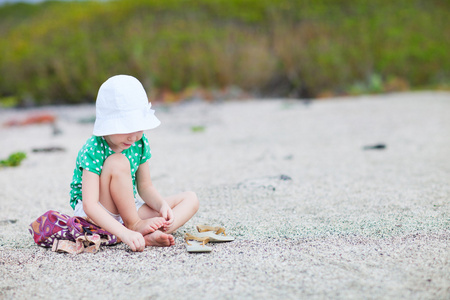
x,y
134,121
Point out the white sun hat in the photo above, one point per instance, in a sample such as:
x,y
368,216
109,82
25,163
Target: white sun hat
x,y
122,107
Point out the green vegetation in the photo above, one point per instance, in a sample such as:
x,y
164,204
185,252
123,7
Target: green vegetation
x,y
60,52
13,160
198,128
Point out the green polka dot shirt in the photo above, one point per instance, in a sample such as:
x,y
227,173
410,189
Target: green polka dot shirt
x,y
92,156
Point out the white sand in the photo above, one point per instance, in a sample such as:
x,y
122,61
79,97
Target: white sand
x,y
350,223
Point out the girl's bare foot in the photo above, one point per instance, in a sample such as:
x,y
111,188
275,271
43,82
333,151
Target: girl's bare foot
x,y
159,239
148,225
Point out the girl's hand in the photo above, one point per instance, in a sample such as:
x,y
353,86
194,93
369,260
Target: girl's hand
x,y
134,240
167,214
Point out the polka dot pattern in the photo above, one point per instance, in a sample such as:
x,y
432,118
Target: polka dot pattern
x,y
92,156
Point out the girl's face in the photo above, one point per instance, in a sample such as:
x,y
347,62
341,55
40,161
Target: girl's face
x,y
120,142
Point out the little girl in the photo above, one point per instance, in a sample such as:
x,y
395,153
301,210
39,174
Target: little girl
x,y
112,167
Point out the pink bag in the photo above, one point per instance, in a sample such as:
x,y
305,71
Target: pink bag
x,y
69,234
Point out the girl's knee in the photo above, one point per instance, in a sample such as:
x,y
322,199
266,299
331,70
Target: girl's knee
x,y
116,162
193,199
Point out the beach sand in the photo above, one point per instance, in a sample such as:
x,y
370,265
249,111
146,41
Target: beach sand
x,y
314,214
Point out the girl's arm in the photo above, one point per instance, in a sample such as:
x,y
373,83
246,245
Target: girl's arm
x,y
91,194
150,195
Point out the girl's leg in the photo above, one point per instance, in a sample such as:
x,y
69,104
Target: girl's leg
x,y
184,206
116,194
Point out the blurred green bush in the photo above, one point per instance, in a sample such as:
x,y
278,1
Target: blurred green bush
x,y
60,52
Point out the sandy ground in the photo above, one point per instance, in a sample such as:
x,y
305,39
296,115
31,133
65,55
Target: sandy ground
x,y
314,215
